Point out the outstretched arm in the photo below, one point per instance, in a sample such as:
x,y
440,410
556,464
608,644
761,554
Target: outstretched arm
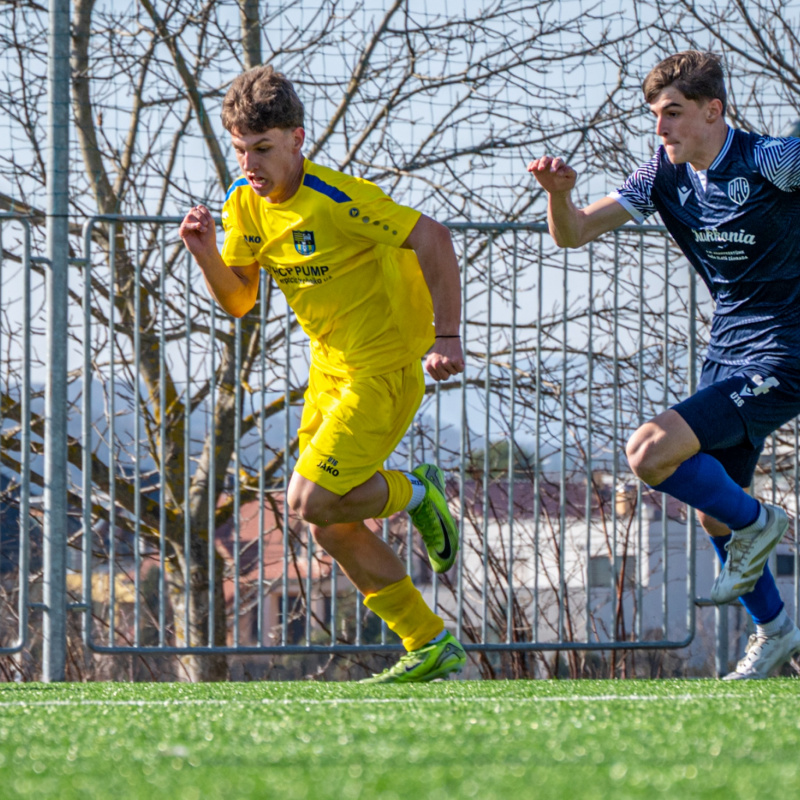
x,y
234,288
569,225
432,243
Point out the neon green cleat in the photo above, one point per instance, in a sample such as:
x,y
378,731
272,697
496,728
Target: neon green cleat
x,y
434,660
432,518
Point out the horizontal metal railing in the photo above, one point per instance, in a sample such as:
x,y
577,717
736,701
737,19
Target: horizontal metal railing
x,y
494,300
568,352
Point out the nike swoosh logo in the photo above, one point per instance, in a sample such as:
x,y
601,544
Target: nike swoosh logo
x,y
447,550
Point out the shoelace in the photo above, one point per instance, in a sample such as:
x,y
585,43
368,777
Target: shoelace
x,y
752,651
737,549
400,666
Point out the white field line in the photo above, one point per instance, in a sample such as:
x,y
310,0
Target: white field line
x,y
600,698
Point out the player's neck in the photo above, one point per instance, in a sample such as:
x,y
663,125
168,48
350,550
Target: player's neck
x,y
291,187
711,147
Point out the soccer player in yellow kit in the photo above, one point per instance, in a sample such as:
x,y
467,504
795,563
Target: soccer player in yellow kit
x,y
376,286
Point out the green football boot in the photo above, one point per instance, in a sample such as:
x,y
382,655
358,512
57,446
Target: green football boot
x,y
432,518
434,660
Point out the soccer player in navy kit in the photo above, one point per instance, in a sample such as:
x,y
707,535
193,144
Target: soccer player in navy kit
x,y
731,200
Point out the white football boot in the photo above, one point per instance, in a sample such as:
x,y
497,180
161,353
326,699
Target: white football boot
x,y
764,653
747,557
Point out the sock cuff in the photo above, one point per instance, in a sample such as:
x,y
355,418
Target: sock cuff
x,y
702,482
400,491
775,624
405,612
758,524
390,594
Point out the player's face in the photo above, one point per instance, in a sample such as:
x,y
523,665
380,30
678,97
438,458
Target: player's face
x,y
271,161
683,125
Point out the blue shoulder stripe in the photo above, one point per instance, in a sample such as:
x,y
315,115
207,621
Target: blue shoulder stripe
x,y
318,185
235,185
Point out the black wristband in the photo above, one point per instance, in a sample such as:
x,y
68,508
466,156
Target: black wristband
x,y
445,336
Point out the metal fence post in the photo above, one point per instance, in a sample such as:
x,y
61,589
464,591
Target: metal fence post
x,y
55,490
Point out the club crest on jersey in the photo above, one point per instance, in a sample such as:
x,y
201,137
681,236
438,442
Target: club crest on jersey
x,y
304,242
739,190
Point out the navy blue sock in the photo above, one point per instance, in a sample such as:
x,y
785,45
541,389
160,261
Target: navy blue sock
x,y
764,603
701,482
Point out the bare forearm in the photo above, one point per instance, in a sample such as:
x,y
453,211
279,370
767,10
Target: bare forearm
x,y
440,269
432,243
571,226
235,292
574,227
234,288
564,220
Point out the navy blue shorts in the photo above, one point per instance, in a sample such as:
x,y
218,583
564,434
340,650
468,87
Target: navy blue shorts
x,y
735,408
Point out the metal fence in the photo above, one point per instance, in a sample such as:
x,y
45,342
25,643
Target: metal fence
x,y
15,428
181,437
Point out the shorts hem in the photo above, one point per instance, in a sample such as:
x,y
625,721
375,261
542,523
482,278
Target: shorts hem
x,y
330,481
699,422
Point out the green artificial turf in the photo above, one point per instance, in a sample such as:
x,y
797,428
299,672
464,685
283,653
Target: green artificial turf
x,y
504,740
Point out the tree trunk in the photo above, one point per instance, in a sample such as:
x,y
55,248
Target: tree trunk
x,y
251,33
205,667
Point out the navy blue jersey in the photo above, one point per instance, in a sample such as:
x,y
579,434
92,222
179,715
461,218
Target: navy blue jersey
x,y
737,223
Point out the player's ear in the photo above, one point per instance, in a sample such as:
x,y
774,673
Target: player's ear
x,y
298,138
713,109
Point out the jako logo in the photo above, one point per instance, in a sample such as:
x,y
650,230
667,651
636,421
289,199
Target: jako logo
x,y
253,239
329,466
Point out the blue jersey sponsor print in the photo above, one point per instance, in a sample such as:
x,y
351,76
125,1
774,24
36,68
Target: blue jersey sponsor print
x,y
737,223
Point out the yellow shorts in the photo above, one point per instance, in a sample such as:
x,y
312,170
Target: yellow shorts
x,y
350,426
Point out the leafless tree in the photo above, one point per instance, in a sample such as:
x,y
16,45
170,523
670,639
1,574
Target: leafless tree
x,y
441,107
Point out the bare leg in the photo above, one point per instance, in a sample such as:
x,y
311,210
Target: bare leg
x,y
366,559
322,507
660,446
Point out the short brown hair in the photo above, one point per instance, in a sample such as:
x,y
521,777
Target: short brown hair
x,y
259,99
698,76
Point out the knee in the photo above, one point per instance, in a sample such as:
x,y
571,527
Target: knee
x,y
294,497
643,457
317,512
311,507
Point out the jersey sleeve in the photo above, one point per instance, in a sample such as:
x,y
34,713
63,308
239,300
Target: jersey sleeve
x,y
372,216
635,195
236,251
778,160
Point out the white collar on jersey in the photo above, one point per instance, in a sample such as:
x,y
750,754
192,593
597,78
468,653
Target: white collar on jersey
x,y
722,153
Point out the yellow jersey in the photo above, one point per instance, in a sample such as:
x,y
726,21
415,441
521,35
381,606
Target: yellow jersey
x,y
334,250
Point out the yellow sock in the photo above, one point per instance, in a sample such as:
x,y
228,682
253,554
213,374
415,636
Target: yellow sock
x,y
400,492
401,607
